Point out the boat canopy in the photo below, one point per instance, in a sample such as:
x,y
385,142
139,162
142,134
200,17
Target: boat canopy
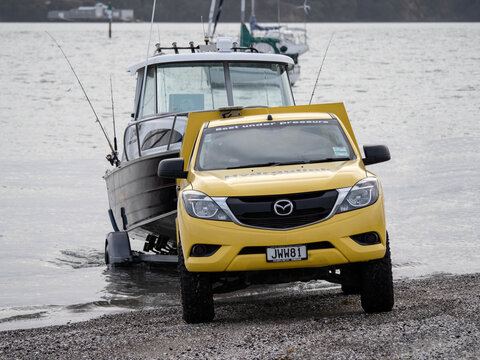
x,y
213,56
210,77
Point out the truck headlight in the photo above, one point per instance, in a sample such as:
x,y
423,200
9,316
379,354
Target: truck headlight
x,y
201,206
363,193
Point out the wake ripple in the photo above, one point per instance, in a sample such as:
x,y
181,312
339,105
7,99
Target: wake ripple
x,y
80,258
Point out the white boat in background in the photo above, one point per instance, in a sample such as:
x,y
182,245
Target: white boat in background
x,y
279,39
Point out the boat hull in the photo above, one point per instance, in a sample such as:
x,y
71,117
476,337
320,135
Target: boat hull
x,y
140,200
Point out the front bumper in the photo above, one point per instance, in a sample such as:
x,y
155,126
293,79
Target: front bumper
x,y
233,238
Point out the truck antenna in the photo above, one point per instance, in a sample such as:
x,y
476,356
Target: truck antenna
x,y
114,154
203,26
320,70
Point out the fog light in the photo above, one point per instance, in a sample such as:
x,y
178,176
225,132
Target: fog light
x,y
203,250
199,250
369,238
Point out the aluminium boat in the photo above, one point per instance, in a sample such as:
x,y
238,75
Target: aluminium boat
x,y
180,81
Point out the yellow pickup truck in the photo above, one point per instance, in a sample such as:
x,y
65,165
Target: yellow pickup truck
x,y
273,195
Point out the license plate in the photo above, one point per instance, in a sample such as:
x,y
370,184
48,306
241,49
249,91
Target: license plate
x,y
286,253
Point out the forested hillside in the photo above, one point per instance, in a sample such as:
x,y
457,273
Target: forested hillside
x,y
266,10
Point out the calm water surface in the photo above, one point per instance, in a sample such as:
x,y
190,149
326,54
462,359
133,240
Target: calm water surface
x,y
414,87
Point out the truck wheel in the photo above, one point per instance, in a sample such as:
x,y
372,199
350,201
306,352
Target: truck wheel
x,y
197,296
351,279
377,284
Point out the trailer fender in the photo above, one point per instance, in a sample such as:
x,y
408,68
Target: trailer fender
x,y
117,248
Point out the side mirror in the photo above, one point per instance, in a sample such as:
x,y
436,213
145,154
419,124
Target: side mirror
x,y
172,168
375,154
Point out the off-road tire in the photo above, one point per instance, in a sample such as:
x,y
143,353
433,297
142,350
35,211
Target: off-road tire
x,y
197,296
377,284
351,275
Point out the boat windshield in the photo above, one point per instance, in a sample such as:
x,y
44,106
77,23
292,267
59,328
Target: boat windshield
x,y
185,87
260,84
273,143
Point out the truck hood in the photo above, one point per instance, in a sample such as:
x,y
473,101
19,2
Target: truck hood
x,y
273,180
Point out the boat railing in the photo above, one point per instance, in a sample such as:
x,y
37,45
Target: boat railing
x,y
127,137
199,48
137,126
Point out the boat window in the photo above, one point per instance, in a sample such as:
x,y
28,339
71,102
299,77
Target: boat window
x,y
273,143
136,103
154,135
149,97
131,147
260,84
160,137
190,87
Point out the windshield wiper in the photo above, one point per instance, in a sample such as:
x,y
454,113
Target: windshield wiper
x,y
294,162
329,160
271,163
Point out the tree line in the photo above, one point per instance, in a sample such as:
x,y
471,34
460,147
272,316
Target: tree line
x,y
265,10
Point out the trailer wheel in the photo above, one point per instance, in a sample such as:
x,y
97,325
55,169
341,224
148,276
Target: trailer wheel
x,y
377,284
107,257
197,296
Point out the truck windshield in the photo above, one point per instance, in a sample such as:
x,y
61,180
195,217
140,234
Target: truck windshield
x,y
272,143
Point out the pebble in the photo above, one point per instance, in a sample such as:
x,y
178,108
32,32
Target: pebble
x,y
434,318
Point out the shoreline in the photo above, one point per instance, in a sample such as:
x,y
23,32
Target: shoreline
x,y
435,317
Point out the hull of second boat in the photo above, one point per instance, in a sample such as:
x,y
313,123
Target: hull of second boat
x,y
138,198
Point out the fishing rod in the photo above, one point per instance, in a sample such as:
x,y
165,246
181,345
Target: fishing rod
x,y
113,160
114,154
320,70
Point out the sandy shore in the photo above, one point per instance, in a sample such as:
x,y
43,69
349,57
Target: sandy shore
x,y
436,318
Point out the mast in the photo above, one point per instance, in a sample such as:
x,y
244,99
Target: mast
x,y
278,12
242,12
210,17
252,16
217,17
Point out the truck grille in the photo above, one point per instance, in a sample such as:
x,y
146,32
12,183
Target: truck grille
x,y
259,211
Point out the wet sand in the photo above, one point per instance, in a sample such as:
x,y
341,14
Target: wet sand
x,y
437,317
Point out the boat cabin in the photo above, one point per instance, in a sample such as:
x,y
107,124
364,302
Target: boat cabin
x,y
202,78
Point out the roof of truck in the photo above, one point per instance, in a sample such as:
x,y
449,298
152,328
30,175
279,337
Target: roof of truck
x,y
273,117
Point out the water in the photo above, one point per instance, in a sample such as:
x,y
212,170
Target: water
x,y
414,87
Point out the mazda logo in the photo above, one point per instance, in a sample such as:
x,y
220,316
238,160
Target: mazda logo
x,y
283,207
